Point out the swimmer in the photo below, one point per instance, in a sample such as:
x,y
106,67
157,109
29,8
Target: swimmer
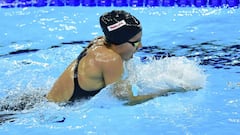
x,y
101,63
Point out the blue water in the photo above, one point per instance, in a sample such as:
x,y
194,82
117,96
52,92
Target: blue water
x,y
37,44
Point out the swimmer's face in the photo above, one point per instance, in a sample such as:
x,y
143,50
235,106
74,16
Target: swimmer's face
x,y
131,46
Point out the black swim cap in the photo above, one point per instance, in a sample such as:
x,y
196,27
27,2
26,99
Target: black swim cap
x,y
119,26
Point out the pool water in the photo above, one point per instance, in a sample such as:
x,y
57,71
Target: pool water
x,y
187,47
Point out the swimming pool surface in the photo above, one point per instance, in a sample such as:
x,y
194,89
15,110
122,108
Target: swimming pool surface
x,y
187,47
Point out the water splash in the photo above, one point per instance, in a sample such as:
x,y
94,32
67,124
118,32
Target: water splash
x,y
18,101
167,73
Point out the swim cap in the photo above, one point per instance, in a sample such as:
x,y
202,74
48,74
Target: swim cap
x,y
119,26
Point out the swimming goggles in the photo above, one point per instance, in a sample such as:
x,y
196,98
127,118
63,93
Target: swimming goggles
x,y
135,43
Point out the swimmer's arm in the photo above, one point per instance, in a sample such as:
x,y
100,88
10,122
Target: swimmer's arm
x,y
133,100
123,91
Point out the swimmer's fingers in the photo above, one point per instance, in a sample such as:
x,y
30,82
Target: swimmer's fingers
x,y
185,89
178,89
193,88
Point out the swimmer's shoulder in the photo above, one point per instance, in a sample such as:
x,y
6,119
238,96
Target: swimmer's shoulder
x,y
102,53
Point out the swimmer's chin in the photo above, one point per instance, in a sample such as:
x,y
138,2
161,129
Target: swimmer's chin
x,y
127,59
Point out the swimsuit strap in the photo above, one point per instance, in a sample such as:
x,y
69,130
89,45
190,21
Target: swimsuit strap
x,y
80,56
78,60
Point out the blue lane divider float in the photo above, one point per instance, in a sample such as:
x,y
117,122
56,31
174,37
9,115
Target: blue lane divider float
x,y
119,3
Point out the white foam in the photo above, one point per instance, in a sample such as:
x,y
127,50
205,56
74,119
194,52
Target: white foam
x,y
167,73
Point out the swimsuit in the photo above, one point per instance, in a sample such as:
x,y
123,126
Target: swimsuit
x,y
78,92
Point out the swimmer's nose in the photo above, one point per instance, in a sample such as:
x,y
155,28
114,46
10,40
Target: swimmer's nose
x,y
139,46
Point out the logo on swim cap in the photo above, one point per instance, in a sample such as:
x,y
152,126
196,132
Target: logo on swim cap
x,y
116,25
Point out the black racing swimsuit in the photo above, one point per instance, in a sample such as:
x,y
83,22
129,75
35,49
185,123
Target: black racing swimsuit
x,y
78,92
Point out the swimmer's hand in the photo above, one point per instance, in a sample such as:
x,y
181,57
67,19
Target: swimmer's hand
x,y
184,89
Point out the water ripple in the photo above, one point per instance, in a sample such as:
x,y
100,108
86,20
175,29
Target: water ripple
x,y
218,56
